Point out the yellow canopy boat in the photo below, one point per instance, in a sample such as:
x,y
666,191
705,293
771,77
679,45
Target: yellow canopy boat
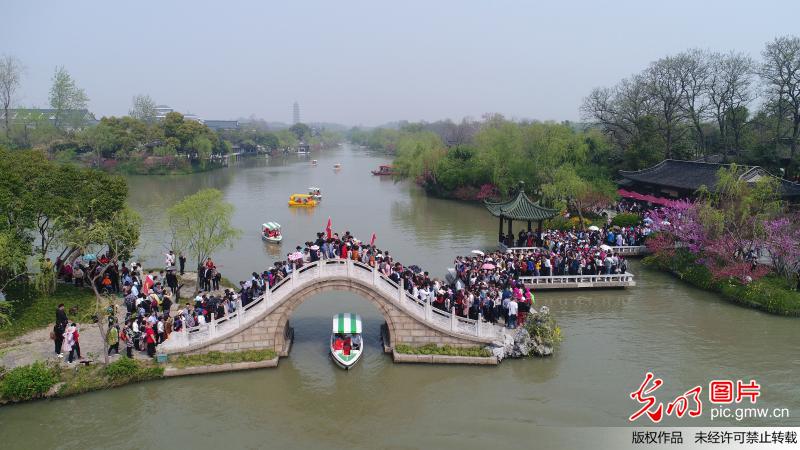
x,y
302,200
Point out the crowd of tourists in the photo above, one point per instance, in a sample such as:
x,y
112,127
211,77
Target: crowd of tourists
x,y
630,206
479,286
150,299
499,297
592,238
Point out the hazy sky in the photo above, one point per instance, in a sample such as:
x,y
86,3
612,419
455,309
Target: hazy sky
x,y
367,62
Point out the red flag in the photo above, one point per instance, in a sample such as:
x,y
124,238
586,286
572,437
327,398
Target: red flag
x,y
372,241
328,229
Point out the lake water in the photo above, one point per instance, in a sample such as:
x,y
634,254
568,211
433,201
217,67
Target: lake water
x,y
686,336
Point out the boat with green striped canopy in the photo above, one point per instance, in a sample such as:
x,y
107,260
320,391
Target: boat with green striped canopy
x,y
346,342
271,232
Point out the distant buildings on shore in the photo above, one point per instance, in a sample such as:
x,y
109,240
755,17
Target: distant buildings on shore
x,y
216,125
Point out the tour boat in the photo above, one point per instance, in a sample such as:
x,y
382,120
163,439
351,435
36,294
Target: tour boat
x,y
313,162
337,166
315,192
384,170
271,232
302,200
346,342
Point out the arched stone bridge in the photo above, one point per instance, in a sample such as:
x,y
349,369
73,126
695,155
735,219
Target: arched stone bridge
x,y
264,323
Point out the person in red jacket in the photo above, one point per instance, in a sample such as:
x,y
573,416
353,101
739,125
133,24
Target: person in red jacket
x,y
150,338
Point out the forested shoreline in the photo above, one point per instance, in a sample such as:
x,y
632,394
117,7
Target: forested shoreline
x,y
147,141
699,104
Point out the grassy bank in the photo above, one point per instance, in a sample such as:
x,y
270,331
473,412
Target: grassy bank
x,y
772,294
433,349
32,312
216,358
42,379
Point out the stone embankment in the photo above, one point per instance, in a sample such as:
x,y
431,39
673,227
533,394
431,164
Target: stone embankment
x,y
537,338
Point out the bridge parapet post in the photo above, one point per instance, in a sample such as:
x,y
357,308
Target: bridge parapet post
x,y
400,291
239,312
349,263
428,310
294,276
375,275
212,327
319,268
478,325
453,318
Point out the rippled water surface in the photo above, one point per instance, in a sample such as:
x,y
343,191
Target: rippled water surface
x,y
684,335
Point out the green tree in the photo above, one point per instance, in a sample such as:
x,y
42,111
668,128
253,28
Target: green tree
x,y
203,146
268,140
780,73
567,190
201,224
10,78
65,95
13,258
143,108
300,130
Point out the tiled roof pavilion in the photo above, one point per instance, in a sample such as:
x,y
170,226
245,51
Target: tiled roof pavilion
x,y
520,207
686,177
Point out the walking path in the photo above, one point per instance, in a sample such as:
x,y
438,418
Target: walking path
x,y
37,346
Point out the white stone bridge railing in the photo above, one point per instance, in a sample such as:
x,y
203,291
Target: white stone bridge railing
x,y
244,316
579,281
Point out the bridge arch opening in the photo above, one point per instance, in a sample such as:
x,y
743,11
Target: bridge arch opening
x,y
310,324
327,299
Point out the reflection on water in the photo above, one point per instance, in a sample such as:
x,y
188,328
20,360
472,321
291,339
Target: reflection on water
x,y
612,337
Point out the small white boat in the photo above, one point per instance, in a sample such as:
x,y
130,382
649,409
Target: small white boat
x,y
313,162
337,166
315,192
346,342
271,232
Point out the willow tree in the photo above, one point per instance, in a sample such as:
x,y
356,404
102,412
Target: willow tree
x,y
65,95
570,191
201,224
10,78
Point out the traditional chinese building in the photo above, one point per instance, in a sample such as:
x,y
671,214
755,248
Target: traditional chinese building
x,y
520,208
674,179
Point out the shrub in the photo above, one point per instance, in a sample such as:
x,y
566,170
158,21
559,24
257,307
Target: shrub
x,y
771,293
123,368
626,220
562,223
126,370
84,378
543,327
447,350
28,382
214,358
6,311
